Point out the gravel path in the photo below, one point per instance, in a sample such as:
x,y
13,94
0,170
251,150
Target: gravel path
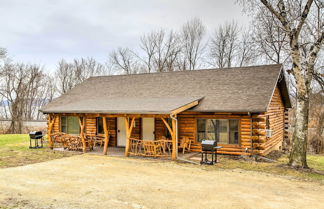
x,y
90,181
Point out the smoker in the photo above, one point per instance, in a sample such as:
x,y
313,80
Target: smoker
x,y
35,136
209,147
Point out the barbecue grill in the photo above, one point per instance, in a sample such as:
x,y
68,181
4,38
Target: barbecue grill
x,y
35,136
209,147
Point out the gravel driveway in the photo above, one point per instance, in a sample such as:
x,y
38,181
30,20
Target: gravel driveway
x,y
91,181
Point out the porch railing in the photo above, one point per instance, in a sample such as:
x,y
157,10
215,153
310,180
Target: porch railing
x,y
158,148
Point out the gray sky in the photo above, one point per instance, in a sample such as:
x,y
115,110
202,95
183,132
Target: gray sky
x,y
44,31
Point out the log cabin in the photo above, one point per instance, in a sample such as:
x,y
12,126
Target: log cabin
x,y
242,108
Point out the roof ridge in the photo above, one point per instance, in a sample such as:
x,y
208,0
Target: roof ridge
x,y
185,71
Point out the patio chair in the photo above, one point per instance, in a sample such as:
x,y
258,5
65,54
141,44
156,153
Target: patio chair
x,y
185,144
97,140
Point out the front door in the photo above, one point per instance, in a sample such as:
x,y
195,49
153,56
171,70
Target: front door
x,y
121,132
148,128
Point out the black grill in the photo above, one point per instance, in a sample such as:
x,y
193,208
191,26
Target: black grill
x,y
208,145
36,135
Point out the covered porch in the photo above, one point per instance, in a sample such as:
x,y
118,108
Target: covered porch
x,y
138,134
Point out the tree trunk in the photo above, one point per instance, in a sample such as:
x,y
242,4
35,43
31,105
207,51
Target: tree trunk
x,y
297,156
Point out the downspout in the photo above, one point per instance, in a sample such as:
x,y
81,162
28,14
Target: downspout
x,y
176,147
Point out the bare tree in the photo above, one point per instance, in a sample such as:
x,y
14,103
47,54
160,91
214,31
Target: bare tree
x,y
224,44
192,35
271,40
45,94
161,50
230,46
70,74
124,60
148,45
302,21
3,53
317,122
246,54
19,84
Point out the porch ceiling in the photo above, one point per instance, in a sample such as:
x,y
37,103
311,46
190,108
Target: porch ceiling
x,y
130,105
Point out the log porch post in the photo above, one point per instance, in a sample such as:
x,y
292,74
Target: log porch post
x,y
174,140
129,128
82,123
106,130
51,121
173,132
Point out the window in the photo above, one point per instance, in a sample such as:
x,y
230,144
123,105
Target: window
x,y
167,133
100,129
70,125
223,130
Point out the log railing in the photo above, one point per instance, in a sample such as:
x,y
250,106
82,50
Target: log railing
x,y
158,148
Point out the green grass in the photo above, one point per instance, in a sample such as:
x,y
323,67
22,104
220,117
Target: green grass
x,y
315,162
11,139
14,151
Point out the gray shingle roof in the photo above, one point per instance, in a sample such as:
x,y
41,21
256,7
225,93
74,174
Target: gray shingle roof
x,y
246,89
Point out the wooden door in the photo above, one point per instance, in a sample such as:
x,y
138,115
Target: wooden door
x,y
148,129
121,132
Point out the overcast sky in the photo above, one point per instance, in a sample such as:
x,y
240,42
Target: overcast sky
x,y
45,31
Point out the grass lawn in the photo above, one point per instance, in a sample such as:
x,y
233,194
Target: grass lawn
x,y
14,151
315,162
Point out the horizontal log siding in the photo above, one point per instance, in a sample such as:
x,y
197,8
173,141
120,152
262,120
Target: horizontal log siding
x,y
188,127
91,126
276,112
137,130
160,128
57,123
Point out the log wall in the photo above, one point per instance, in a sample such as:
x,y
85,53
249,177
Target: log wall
x,y
91,128
252,128
188,127
276,119
57,123
160,128
137,130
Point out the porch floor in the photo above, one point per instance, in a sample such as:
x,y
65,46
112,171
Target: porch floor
x,y
120,152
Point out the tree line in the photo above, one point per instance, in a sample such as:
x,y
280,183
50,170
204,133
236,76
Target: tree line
x,y
281,31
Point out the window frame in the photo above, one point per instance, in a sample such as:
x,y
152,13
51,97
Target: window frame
x,y
97,125
228,130
66,125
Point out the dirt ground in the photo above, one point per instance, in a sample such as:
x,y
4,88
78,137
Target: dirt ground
x,y
91,181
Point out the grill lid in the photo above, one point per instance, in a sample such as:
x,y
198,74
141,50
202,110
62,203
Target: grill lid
x,y
209,142
35,134
208,145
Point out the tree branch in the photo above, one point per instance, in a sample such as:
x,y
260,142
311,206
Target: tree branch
x,y
304,16
280,17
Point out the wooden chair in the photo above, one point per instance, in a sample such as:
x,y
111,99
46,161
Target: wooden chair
x,y
166,144
97,140
149,148
152,148
185,144
136,146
